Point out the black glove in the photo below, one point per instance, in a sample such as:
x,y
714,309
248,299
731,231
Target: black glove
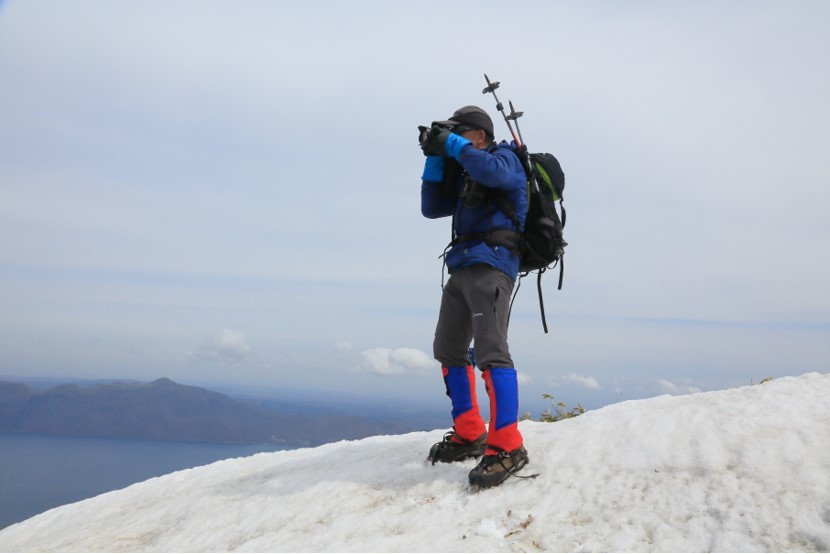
x,y
433,140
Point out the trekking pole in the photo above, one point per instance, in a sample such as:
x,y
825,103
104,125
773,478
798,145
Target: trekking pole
x,y
524,155
491,88
514,116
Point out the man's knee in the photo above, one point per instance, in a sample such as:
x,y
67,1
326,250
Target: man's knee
x,y
450,358
492,350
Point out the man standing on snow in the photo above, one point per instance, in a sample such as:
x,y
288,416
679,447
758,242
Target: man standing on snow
x,y
477,182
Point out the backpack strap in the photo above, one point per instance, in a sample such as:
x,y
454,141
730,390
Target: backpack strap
x,y
500,236
541,300
506,238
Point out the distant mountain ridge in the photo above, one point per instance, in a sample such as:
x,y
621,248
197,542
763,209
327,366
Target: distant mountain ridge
x,y
165,410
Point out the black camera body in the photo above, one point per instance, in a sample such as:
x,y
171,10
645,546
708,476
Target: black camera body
x,y
426,133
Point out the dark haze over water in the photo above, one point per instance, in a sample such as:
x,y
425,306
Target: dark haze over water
x,y
41,472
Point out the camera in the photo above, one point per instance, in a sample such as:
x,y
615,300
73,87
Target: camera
x,y
426,133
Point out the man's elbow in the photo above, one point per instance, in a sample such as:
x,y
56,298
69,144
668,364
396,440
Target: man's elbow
x,y
429,212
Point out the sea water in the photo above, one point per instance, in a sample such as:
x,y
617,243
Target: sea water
x,y
41,472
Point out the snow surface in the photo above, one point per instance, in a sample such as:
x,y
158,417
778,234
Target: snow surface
x,y
745,469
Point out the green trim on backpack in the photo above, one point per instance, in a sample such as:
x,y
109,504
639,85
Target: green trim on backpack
x,y
540,171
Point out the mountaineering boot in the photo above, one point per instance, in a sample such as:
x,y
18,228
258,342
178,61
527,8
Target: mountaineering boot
x,y
469,435
461,388
453,448
496,466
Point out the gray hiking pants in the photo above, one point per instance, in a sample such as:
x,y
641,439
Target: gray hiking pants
x,y
474,307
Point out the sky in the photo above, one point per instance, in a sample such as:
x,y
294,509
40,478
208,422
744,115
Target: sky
x,y
722,471
228,193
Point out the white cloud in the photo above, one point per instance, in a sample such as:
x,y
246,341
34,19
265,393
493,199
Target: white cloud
x,y
583,381
226,345
524,378
385,361
343,346
667,387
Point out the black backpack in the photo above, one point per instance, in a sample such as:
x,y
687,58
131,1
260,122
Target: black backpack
x,y
542,245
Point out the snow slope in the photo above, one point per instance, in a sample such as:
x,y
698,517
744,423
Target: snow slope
x,y
745,469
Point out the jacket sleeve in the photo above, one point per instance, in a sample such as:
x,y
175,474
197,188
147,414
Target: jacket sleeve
x,y
500,169
434,204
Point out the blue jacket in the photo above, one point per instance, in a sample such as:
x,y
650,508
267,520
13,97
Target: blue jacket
x,y
496,167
